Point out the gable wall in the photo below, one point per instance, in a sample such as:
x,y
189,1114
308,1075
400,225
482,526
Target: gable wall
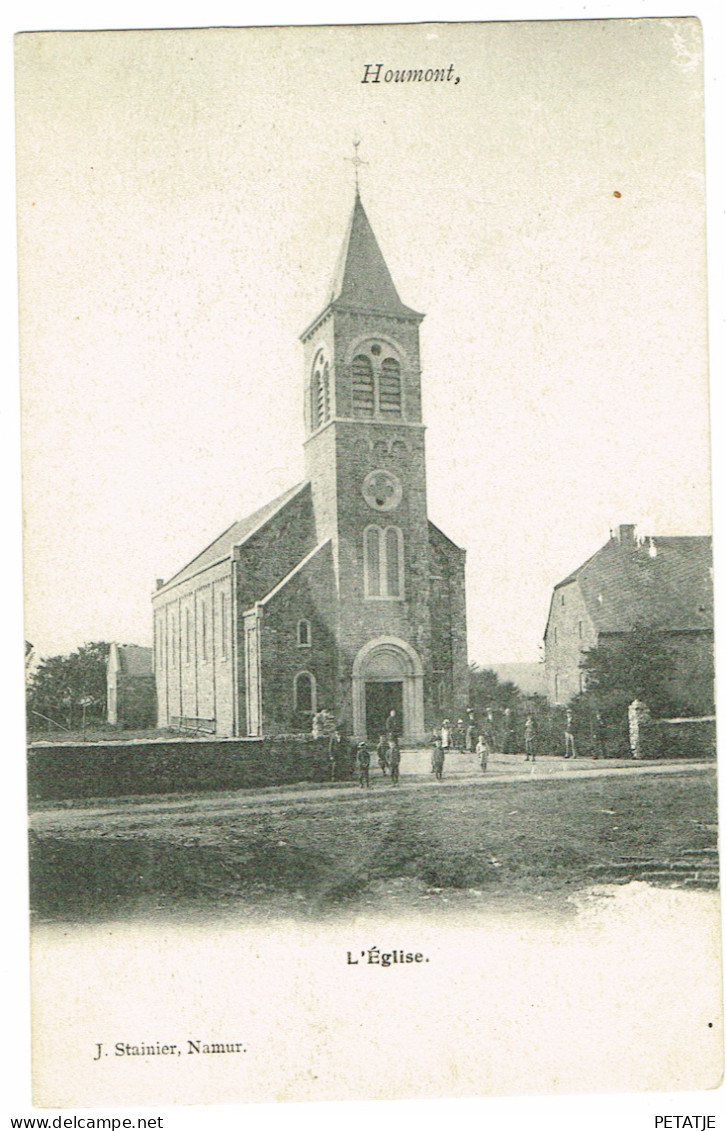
x,y
309,595
569,633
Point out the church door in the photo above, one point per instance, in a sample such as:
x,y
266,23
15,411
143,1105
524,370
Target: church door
x,y
381,699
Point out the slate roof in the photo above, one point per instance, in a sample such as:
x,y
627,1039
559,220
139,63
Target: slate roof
x,y
362,279
234,535
665,583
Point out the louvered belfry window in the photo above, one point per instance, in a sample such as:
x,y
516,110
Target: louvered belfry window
x,y
376,382
389,387
363,390
320,391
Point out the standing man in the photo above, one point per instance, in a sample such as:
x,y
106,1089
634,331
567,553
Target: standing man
x,y
393,729
394,755
364,765
471,730
335,749
508,746
600,736
570,748
529,739
490,731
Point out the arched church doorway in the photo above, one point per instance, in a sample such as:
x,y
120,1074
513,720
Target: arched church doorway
x,y
387,675
382,697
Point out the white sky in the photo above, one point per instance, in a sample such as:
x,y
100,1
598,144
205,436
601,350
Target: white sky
x,y
183,197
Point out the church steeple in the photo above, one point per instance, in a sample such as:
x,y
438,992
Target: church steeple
x,y
362,281
362,350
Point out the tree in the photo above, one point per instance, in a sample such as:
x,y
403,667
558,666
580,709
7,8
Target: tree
x,y
636,665
58,686
487,690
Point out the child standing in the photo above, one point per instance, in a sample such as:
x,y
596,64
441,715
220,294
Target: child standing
x,y
364,763
482,751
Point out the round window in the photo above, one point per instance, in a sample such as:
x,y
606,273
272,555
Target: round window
x,y
382,490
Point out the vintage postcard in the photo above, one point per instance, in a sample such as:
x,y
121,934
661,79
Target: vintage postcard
x,y
368,563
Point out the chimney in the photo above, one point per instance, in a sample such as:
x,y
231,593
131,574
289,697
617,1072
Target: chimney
x,y
626,535
159,582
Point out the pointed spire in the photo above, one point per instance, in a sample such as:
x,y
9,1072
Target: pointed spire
x,y
362,280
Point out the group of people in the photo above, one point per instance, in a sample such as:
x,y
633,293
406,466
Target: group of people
x,y
466,736
388,754
501,737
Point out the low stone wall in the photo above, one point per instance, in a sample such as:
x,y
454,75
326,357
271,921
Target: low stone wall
x,y
65,771
679,738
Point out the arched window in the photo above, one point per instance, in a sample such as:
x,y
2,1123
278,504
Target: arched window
x,y
389,388
320,390
303,633
363,390
376,382
372,561
383,562
305,693
394,541
326,391
188,635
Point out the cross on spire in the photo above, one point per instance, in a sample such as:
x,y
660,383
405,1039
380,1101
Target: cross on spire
x,y
356,161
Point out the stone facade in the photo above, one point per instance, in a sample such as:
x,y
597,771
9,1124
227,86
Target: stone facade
x,y
664,583
341,594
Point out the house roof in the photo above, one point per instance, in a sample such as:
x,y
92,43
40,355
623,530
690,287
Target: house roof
x,y
235,535
136,660
362,279
665,583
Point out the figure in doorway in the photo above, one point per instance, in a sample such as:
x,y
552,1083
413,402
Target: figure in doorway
x,y
393,730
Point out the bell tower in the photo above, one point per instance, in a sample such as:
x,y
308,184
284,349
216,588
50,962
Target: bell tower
x,y
364,454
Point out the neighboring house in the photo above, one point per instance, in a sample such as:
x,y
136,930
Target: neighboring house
x,y
662,583
130,687
340,594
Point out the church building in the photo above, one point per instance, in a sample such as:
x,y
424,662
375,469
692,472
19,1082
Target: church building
x,y
340,594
